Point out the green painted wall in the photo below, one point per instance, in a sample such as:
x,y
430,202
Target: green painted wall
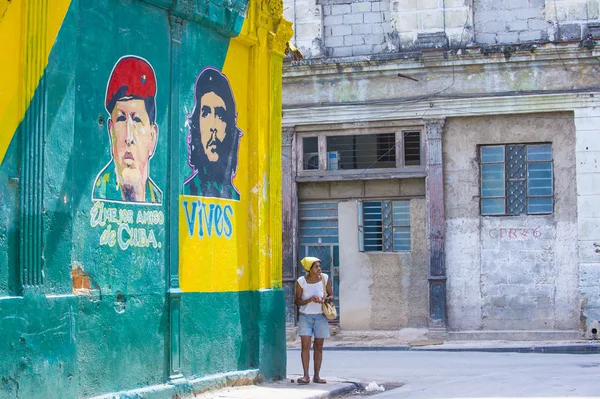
x,y
246,332
116,335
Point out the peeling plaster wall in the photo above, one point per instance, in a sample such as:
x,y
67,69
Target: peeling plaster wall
x,y
471,74
588,198
378,291
361,189
382,291
514,272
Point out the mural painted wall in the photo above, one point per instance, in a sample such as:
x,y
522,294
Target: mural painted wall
x,y
212,207
140,207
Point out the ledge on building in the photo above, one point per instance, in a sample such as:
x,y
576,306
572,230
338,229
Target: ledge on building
x,y
361,174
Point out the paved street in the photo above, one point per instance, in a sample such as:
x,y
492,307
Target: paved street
x,y
465,374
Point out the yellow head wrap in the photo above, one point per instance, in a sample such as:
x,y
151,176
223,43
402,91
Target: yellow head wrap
x,y
308,262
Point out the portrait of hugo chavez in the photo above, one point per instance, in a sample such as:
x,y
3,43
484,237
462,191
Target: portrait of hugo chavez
x,y
131,106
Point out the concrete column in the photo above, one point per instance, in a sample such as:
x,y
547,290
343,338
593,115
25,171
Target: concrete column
x,y
435,225
289,221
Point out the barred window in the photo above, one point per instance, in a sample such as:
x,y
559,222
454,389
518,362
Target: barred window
x,y
384,226
366,151
517,179
363,151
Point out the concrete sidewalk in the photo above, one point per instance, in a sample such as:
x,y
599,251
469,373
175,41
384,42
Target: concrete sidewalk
x,y
573,347
285,389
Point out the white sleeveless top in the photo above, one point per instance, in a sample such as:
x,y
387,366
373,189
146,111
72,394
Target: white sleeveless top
x,y
310,290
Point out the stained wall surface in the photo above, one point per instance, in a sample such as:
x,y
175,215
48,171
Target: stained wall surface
x,y
378,291
510,272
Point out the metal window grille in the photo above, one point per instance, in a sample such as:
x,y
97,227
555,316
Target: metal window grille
x,y
412,148
516,179
367,151
384,226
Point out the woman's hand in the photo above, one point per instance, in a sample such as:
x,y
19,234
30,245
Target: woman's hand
x,y
316,299
327,299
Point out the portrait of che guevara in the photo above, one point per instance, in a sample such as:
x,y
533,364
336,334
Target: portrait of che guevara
x,y
213,138
133,133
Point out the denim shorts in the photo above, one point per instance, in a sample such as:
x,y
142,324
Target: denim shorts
x,y
316,324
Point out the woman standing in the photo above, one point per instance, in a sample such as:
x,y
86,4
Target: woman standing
x,y
310,295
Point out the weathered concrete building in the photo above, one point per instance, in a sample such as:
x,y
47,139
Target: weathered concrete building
x,y
442,156
140,191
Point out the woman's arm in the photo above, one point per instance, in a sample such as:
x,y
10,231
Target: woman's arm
x,y
298,300
329,296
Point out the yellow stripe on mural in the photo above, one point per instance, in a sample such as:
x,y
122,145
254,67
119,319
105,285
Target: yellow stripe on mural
x,y
17,30
230,246
213,251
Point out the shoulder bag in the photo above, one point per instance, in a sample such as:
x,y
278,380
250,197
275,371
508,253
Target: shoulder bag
x,y
328,307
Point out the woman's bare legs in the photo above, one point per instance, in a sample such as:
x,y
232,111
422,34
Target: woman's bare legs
x,y
305,339
318,357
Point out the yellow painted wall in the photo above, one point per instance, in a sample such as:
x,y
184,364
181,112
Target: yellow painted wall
x,y
28,29
251,258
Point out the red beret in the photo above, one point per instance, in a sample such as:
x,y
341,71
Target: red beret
x,y
136,75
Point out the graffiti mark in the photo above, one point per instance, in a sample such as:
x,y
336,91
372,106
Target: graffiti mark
x,y
4,7
515,234
213,138
118,226
133,133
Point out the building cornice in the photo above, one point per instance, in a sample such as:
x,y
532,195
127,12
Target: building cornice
x,y
457,107
493,57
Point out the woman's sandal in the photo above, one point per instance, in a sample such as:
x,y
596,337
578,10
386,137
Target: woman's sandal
x,y
319,381
303,380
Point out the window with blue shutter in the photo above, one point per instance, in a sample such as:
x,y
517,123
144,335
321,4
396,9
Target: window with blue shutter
x,y
517,179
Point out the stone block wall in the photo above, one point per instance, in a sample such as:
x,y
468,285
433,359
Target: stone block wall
x,y
356,27
511,21
339,28
307,16
572,19
413,20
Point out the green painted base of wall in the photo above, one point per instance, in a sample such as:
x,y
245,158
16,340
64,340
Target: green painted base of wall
x,y
121,345
82,346
38,338
271,334
229,331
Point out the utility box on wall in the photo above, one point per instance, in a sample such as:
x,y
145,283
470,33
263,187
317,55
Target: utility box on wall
x,y
141,177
